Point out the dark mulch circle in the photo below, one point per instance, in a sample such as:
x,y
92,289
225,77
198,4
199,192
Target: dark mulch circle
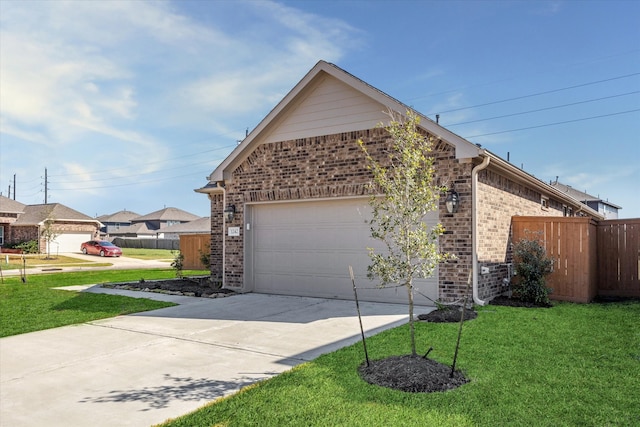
x,y
447,314
412,374
515,302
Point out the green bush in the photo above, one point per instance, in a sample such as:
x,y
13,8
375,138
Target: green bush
x,y
178,264
532,266
205,256
28,247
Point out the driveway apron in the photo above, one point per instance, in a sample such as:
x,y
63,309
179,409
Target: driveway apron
x,y
142,369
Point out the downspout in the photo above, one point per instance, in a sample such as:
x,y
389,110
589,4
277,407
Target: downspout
x,y
224,240
474,227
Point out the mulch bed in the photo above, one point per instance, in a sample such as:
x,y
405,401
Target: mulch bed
x,y
447,314
202,287
413,374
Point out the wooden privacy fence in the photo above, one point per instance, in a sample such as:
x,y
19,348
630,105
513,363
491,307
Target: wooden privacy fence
x,y
589,258
571,243
619,257
192,246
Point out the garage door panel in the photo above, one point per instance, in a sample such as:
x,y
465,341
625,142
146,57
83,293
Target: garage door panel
x,y
69,242
306,248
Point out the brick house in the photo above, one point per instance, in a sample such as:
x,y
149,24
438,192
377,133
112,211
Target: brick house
x,y
22,223
297,187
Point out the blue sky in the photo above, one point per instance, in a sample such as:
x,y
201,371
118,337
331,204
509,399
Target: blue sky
x,y
130,105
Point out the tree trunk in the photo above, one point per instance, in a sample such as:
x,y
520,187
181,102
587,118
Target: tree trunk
x,y
411,326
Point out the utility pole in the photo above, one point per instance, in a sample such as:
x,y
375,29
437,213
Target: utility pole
x,y
14,187
46,186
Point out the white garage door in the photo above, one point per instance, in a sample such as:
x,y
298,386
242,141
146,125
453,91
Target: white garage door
x,y
69,242
305,248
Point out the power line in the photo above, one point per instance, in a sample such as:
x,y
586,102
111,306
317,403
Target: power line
x,y
151,163
131,184
554,124
543,109
512,77
536,94
138,174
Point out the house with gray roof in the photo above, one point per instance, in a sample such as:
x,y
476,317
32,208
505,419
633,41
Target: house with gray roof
x,y
197,226
290,204
9,212
604,207
22,223
150,225
113,222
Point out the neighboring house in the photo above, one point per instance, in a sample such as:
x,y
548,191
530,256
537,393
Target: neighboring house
x,y
9,212
113,222
150,225
72,227
197,226
297,188
604,207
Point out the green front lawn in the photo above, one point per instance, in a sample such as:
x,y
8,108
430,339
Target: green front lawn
x,y
41,260
153,254
571,365
34,306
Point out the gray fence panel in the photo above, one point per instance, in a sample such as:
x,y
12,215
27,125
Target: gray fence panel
x,y
169,244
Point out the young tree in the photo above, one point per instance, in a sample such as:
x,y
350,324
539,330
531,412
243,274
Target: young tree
x,y
48,231
403,192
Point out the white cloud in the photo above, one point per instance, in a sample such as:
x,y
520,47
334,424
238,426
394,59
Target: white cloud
x,y
119,89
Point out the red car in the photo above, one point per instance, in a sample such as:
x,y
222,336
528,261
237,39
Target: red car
x,y
100,247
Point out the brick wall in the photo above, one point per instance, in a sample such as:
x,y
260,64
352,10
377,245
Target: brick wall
x,y
334,166
24,233
217,231
500,198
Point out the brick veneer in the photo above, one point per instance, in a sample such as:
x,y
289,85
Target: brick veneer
x,y
499,199
24,233
334,166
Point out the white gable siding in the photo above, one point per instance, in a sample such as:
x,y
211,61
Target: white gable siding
x,y
331,107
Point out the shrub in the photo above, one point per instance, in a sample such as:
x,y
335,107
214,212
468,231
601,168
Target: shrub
x,y
177,264
205,256
28,247
532,266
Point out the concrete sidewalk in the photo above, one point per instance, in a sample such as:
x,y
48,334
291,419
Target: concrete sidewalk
x,y
142,369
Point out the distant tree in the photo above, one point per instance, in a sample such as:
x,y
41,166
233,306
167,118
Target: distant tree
x,y
402,194
48,231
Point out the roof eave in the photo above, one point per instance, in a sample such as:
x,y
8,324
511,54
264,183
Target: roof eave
x,y
540,185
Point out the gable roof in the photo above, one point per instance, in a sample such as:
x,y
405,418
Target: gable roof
x,y
167,214
366,104
333,100
137,229
37,214
200,225
120,216
8,205
580,195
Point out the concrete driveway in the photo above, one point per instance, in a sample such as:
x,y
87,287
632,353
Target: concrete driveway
x,y
142,369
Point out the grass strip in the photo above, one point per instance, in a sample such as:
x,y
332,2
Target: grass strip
x,y
34,306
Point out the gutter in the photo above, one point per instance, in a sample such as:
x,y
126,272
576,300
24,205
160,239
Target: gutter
x,y
474,226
